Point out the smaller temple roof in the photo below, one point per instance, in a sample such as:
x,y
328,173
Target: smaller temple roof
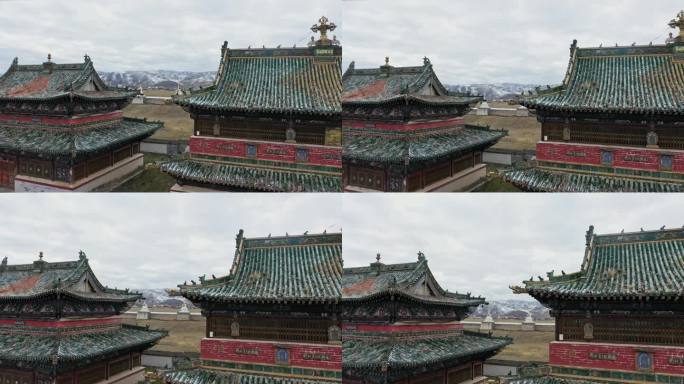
x,y
623,266
396,353
71,142
40,347
388,147
634,79
263,179
412,280
72,278
303,80
543,180
50,80
206,376
388,83
285,269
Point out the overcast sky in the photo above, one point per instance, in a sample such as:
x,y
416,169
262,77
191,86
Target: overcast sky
x,y
482,243
474,243
153,240
523,41
153,34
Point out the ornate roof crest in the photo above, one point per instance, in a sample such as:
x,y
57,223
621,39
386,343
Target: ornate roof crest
x,y
323,27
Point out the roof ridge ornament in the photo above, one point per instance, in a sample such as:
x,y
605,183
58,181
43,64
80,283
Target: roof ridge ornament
x,y
678,22
323,27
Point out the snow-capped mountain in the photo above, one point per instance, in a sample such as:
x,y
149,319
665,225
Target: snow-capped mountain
x,y
512,309
160,298
492,92
158,79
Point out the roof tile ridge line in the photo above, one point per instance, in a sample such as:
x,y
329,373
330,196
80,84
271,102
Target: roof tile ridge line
x,y
239,248
588,251
87,69
349,71
73,275
571,64
11,69
222,64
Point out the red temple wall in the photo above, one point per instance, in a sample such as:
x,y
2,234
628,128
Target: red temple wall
x,y
283,152
402,327
62,323
264,353
76,120
642,159
669,360
403,127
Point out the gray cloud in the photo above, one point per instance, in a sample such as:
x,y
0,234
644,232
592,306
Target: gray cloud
x,y
477,243
522,41
151,34
153,240
484,243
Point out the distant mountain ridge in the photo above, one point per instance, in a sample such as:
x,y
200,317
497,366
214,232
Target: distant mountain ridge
x,y
163,79
168,79
494,92
512,310
160,298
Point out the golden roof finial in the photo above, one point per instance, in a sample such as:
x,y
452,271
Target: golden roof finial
x,y
49,57
323,27
679,23
387,60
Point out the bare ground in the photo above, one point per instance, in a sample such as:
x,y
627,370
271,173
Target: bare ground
x,y
177,123
184,336
527,346
523,132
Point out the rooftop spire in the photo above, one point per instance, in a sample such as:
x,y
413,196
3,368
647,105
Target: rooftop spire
x,y
678,22
323,27
49,57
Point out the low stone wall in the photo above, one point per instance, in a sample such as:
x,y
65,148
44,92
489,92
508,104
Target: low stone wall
x,y
194,316
164,147
507,156
538,326
504,112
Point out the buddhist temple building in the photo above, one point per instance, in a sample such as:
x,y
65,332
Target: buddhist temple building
x,y
400,326
62,129
271,121
403,131
58,324
614,124
274,317
620,318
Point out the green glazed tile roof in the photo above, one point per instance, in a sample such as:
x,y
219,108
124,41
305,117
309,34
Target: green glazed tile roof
x,y
278,269
363,283
623,266
549,380
68,143
274,80
40,347
388,83
29,281
397,353
50,80
393,148
263,179
645,80
541,180
206,376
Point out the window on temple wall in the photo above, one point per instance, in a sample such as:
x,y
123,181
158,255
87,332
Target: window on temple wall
x,y
302,154
666,162
460,375
437,173
274,329
367,178
92,374
477,370
36,168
